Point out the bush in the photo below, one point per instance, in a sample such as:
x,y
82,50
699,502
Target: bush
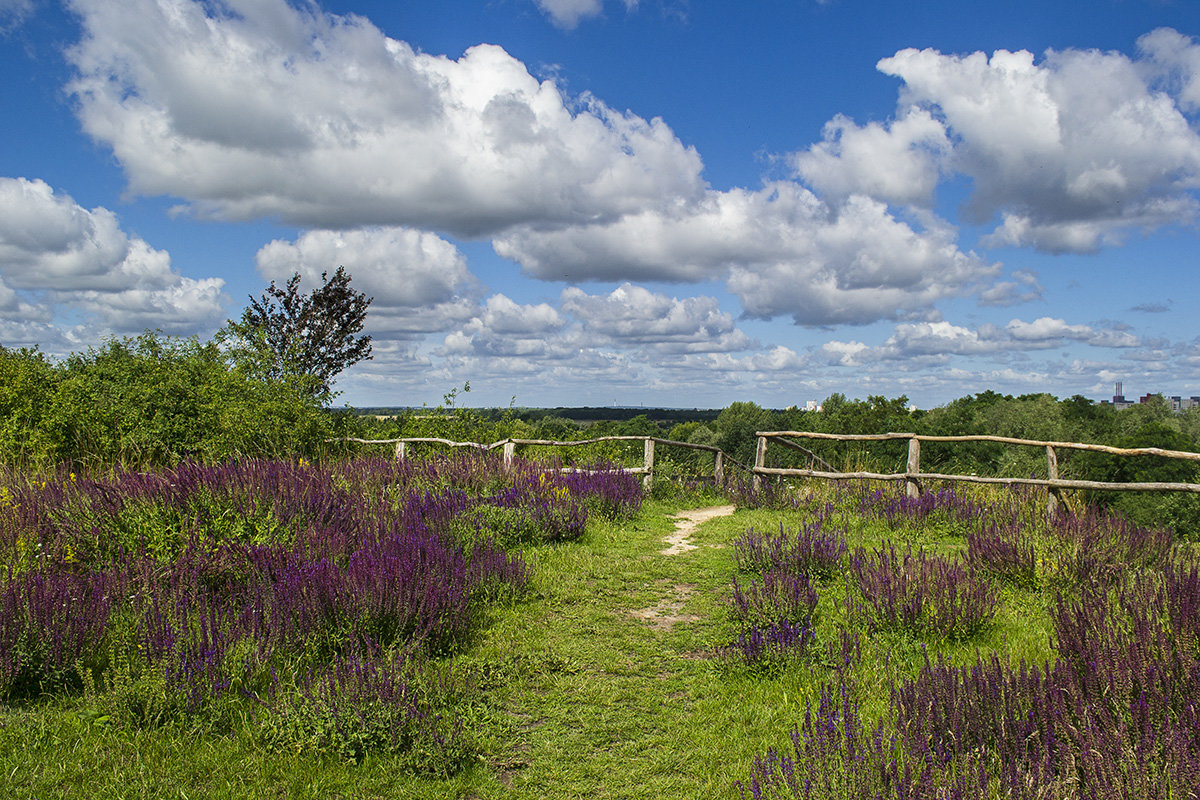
x,y
923,593
809,550
150,401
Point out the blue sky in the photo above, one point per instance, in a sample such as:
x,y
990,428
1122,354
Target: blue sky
x,y
589,202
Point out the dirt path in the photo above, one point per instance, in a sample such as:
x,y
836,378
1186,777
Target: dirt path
x,y
686,523
669,611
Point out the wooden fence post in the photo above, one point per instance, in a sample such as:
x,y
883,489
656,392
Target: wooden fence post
x,y
648,463
401,450
760,460
912,486
719,469
510,452
1052,495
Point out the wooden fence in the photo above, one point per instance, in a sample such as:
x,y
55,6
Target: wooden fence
x,y
912,476
509,449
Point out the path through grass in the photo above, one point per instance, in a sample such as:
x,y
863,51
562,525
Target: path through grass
x,y
606,681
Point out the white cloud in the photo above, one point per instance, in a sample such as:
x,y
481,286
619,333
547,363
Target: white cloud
x,y
1045,329
566,14
926,343
782,250
420,282
844,354
502,315
13,13
628,340
899,163
632,316
59,258
180,310
49,242
1177,59
252,109
503,328
936,338
856,267
776,360
1024,288
1071,152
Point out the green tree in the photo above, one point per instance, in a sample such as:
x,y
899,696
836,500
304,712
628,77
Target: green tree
x,y
736,427
876,414
27,384
315,334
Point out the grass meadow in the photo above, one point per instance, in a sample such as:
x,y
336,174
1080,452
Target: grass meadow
x,y
445,629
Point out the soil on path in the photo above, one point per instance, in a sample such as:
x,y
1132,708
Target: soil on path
x,y
668,612
686,523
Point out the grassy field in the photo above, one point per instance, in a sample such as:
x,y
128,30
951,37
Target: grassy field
x,y
612,676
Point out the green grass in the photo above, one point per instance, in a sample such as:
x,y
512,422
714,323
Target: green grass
x,y
587,692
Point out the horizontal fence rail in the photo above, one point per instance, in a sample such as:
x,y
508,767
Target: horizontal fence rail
x,y
912,476
509,448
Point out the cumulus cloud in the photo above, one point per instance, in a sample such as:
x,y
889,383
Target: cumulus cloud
x,y
567,14
56,256
1175,58
781,249
420,282
844,354
252,109
899,163
1071,152
627,339
503,328
632,316
773,360
1049,331
935,342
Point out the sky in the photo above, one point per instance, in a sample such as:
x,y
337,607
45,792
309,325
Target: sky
x,y
622,202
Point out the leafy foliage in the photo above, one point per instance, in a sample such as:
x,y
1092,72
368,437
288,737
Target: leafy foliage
x,y
313,335
148,401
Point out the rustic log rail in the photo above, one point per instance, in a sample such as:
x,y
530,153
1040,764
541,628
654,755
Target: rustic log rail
x,y
912,476
509,448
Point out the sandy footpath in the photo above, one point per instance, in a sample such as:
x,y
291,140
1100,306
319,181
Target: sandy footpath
x,y
685,525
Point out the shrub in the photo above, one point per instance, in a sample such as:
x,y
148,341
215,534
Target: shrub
x,y
898,509
175,594
773,644
836,754
780,597
926,594
50,622
1096,548
811,549
1008,554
